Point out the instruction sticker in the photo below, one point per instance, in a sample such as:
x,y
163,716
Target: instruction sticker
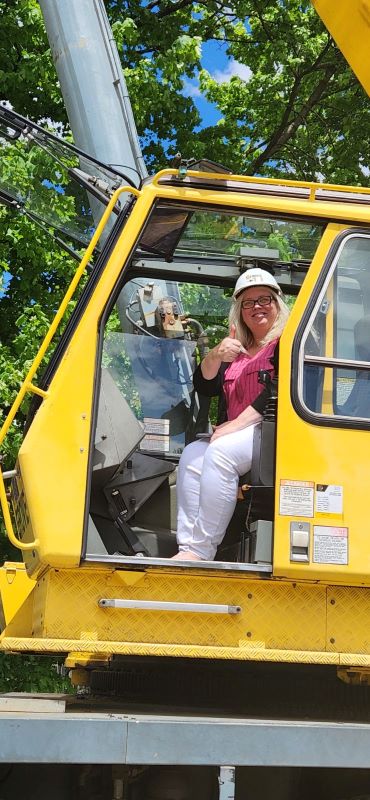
x,y
296,498
329,499
156,435
330,545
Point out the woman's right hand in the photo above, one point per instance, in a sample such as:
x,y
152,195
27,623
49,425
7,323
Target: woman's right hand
x,y
230,347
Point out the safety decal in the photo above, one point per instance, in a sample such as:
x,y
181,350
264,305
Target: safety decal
x,y
330,545
156,435
296,498
329,499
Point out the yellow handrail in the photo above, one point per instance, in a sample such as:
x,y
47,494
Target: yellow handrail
x,y
27,385
251,179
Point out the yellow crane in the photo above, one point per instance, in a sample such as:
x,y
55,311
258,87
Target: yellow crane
x,y
93,490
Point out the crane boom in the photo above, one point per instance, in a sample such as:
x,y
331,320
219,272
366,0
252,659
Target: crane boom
x,y
349,25
92,82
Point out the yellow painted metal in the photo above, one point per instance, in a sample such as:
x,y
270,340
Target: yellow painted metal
x,y
27,385
326,455
80,677
53,457
242,653
59,472
348,21
280,620
269,203
30,387
66,605
15,587
86,659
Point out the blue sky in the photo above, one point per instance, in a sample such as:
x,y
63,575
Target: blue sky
x,y
221,67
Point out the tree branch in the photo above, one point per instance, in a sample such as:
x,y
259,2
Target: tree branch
x,y
286,129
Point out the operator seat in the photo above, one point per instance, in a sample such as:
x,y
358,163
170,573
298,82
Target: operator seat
x,y
256,488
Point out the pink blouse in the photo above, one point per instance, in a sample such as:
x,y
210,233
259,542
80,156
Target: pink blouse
x,y
241,385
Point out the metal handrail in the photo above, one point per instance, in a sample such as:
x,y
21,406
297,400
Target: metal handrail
x,y
27,385
250,179
163,605
343,363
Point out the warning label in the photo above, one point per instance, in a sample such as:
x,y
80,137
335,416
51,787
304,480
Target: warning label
x,y
329,499
156,435
296,498
330,545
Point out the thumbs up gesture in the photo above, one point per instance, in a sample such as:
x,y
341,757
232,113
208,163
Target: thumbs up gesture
x,y
230,347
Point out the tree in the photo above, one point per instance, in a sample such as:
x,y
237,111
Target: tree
x,y
295,115
302,113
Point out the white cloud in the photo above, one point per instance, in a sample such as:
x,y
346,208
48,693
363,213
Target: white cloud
x,y
232,70
191,89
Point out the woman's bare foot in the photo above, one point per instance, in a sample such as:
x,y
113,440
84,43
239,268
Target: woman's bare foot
x,y
185,555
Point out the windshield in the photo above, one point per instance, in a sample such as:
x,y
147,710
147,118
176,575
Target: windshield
x,y
50,181
173,230
235,234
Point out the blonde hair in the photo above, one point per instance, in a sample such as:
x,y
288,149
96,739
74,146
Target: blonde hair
x,y
244,334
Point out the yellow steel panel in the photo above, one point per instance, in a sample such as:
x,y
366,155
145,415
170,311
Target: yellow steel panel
x,y
280,620
16,644
345,211
66,606
322,457
15,587
54,455
349,620
348,21
55,477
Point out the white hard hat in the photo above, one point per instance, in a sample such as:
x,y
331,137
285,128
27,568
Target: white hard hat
x,y
255,277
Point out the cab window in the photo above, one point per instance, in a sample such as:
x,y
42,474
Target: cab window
x,y
155,337
335,347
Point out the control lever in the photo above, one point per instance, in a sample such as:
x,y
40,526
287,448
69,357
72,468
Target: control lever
x,y
119,511
264,377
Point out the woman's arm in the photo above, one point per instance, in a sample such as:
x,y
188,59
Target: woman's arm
x,y
211,364
253,413
227,351
208,388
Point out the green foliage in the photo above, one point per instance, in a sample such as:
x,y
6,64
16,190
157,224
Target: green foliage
x,y
294,113
298,111
21,673
27,74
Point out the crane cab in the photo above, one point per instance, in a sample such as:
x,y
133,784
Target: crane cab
x,y
94,491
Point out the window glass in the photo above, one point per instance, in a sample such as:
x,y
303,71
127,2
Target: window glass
x,y
154,339
178,231
54,184
340,331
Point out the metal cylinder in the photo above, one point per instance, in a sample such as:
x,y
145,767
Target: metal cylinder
x,y
92,82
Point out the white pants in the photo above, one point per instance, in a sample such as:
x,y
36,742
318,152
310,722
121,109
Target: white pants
x,y
207,490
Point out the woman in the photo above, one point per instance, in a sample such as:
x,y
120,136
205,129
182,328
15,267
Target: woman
x,y
208,476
